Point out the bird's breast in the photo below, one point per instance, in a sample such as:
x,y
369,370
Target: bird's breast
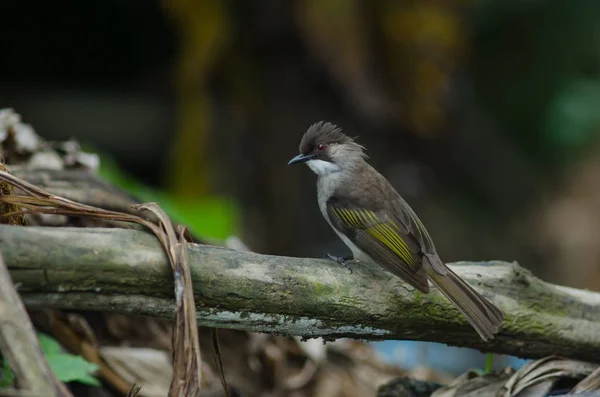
x,y
326,187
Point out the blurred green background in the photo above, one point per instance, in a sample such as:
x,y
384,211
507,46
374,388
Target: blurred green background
x,y
483,114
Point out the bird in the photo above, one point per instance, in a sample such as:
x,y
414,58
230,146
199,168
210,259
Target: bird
x,y
379,226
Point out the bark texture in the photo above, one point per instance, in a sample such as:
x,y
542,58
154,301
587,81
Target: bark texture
x,y
126,271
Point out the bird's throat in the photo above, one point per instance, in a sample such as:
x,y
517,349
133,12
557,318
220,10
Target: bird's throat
x,y
323,168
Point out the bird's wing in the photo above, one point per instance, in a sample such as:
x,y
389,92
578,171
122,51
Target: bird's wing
x,y
405,216
385,240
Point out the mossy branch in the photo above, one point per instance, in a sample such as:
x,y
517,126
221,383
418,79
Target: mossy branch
x,y
126,271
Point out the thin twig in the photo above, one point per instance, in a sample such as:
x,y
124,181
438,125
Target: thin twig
x,y
219,361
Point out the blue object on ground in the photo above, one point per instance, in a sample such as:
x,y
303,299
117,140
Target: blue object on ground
x,y
449,359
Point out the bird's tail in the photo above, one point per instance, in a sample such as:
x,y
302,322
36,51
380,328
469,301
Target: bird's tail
x,y
481,313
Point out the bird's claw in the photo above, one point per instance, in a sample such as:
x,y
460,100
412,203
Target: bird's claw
x,y
341,260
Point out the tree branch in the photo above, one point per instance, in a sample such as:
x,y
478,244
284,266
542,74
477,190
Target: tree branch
x,y
20,346
126,271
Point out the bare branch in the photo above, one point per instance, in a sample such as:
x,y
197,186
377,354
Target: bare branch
x,y
127,271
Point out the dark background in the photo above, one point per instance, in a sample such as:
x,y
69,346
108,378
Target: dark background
x,y
484,115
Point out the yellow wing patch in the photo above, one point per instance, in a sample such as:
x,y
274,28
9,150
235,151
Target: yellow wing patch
x,y
384,231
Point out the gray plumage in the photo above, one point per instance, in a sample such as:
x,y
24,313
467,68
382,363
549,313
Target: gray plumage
x,y
379,227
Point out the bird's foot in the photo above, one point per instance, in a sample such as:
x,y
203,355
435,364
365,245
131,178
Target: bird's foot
x,y
341,260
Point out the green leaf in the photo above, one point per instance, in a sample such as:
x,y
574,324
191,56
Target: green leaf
x,y
7,377
489,363
49,345
67,367
71,368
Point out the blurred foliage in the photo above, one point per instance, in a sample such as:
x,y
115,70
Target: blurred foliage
x,y
536,69
208,216
426,43
67,367
7,377
572,119
394,60
203,30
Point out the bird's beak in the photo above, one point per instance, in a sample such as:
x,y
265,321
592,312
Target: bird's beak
x,y
301,158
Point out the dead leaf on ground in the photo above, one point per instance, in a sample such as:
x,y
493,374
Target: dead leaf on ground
x,y
534,379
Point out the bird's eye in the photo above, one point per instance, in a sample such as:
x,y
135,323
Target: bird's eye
x,y
320,146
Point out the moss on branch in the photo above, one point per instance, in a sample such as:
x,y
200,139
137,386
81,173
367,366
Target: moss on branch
x,y
126,271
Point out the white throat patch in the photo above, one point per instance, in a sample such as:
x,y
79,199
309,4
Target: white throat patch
x,y
323,168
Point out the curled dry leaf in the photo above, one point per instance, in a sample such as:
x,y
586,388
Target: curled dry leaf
x,y
186,349
470,384
589,384
535,379
186,380
541,375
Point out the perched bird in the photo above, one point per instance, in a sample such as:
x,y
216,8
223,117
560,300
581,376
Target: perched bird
x,y
379,227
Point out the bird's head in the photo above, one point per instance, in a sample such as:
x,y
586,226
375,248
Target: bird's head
x,y
326,149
